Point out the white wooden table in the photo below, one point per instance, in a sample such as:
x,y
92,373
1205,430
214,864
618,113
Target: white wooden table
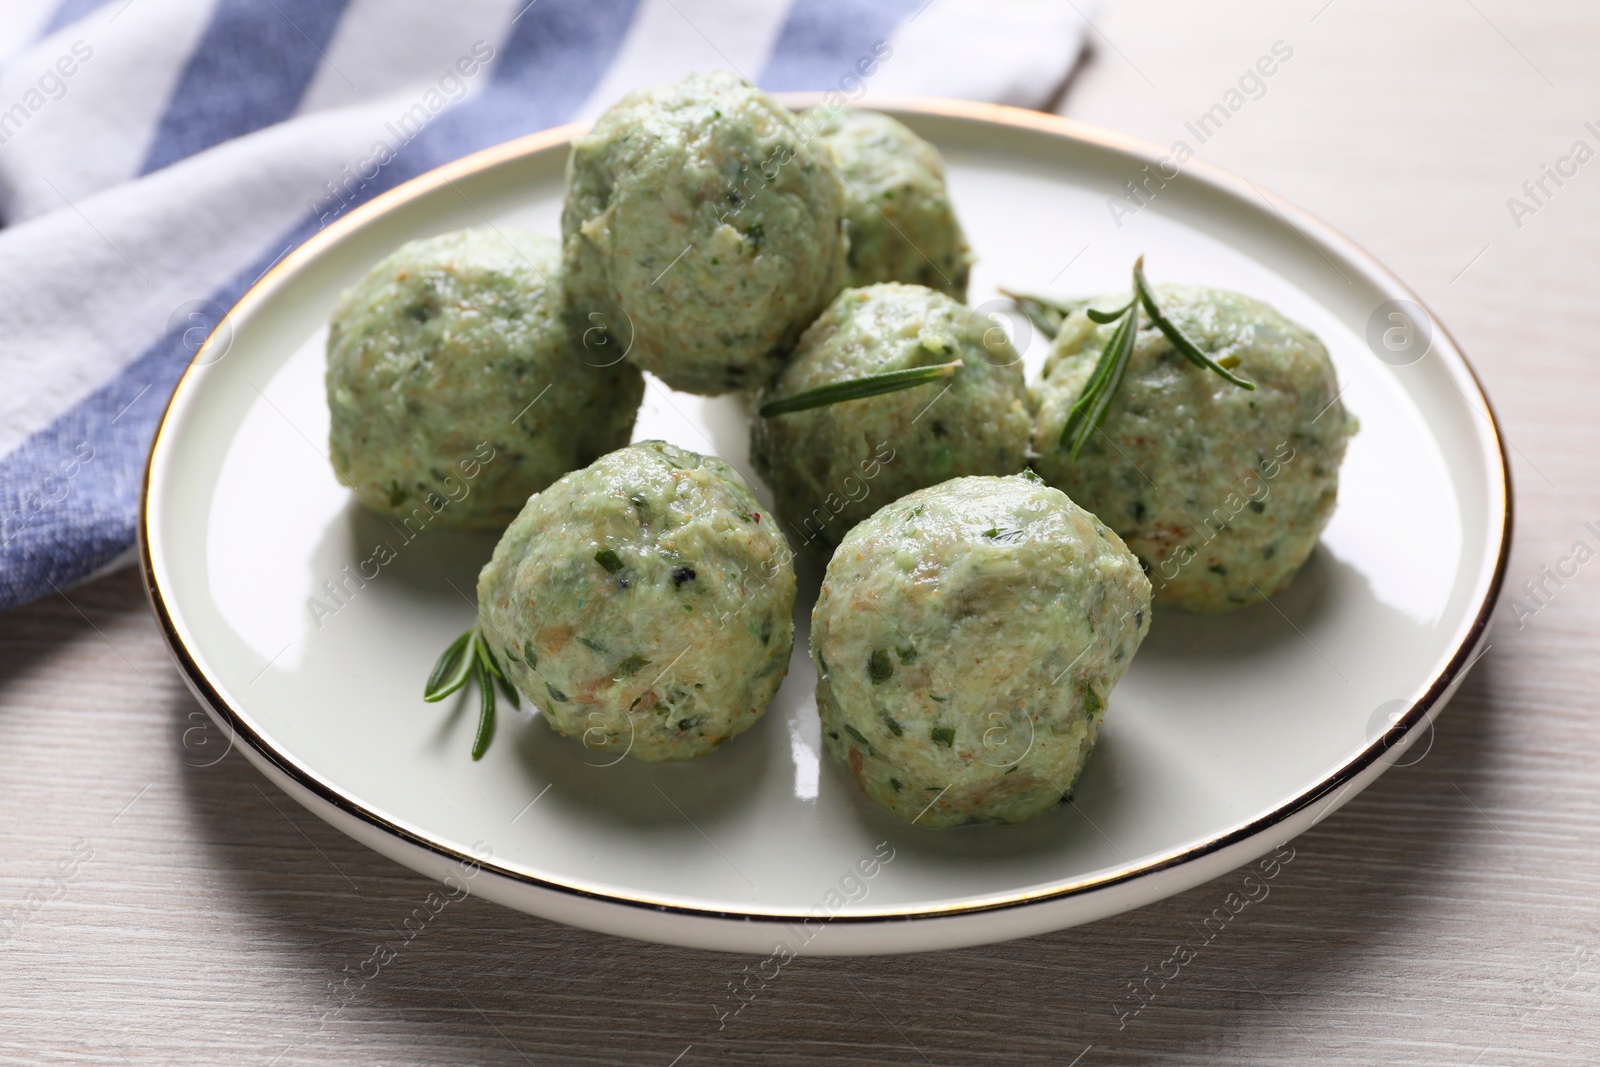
x,y
165,911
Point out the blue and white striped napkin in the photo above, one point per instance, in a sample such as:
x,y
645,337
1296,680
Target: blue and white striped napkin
x,y
157,156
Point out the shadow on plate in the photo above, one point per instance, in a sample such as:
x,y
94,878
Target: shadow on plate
x,y
618,789
420,559
1318,591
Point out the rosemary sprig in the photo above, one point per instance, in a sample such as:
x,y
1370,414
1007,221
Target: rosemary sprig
x,y
1089,410
1046,314
1170,330
450,672
860,388
469,658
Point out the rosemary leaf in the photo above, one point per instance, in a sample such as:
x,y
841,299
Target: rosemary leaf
x,y
1090,408
1046,314
486,654
500,676
469,658
451,670
510,692
860,388
1170,330
1103,317
480,743
1045,317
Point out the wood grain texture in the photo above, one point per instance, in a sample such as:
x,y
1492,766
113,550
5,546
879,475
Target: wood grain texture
x,y
1448,915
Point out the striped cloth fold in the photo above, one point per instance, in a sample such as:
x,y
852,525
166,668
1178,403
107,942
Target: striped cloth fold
x,y
157,156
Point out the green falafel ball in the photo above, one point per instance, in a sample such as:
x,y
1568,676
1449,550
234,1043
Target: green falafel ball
x,y
452,344
902,226
966,640
644,603
702,231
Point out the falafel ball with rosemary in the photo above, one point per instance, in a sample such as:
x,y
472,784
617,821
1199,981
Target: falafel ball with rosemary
x,y
966,412
1217,449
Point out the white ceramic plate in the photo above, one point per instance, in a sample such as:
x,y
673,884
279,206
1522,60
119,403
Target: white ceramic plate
x,y
1228,736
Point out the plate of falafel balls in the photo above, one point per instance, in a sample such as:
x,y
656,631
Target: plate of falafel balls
x,y
788,528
